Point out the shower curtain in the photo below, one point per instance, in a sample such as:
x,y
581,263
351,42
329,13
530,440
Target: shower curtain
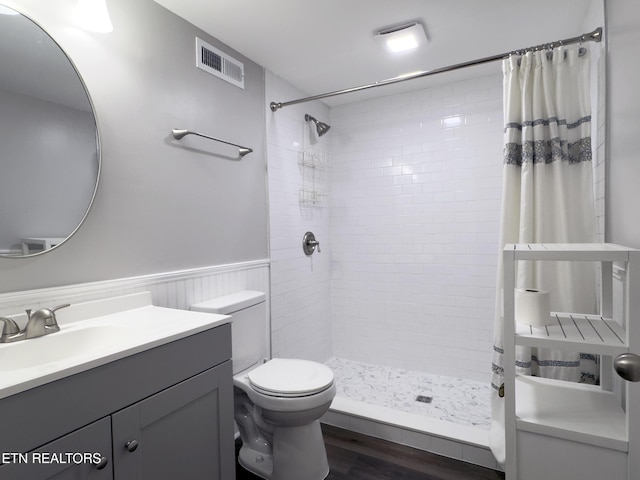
x,y
547,198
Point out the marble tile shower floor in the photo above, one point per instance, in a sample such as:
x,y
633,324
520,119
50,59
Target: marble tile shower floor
x,y
454,400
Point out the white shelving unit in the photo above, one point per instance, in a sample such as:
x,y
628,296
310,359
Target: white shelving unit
x,y
564,430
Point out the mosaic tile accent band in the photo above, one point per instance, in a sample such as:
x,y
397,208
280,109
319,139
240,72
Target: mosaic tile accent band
x,y
454,400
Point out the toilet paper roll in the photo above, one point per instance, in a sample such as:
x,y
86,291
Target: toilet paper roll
x,y
532,307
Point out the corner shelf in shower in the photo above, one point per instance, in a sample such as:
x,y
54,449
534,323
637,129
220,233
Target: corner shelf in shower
x,y
313,163
310,196
574,427
314,158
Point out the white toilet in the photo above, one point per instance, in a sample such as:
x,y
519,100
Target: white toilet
x,y
278,402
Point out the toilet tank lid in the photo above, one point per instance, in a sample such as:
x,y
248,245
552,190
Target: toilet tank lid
x,y
230,303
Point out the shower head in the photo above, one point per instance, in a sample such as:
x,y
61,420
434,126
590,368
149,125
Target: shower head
x,y
321,127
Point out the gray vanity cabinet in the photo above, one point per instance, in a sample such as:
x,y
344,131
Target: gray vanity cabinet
x,y
94,438
176,433
161,414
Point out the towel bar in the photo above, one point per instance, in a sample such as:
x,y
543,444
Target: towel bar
x,y
178,134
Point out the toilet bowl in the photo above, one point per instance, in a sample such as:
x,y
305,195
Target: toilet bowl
x,y
277,402
277,409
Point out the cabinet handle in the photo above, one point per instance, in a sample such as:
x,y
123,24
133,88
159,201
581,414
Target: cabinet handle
x,y
627,365
131,445
102,463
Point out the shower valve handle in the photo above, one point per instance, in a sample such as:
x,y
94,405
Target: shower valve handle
x,y
309,243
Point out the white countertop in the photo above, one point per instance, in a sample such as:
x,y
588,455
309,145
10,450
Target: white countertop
x,y
93,334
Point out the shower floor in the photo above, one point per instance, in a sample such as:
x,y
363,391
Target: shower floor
x,y
462,402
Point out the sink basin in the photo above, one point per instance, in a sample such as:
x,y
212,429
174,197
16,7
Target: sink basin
x,y
93,334
67,345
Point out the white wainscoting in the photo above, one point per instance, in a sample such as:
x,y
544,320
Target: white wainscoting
x,y
179,289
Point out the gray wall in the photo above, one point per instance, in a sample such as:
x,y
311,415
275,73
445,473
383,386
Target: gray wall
x,y
623,103
161,205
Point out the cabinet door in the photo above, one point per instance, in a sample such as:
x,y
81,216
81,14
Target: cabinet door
x,y
183,432
72,457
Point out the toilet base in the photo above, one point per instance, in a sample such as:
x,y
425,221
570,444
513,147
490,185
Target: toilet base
x,y
258,463
298,453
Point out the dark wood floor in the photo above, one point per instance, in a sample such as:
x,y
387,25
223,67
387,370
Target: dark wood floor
x,y
359,457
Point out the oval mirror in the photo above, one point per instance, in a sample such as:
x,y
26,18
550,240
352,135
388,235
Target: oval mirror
x,y
49,144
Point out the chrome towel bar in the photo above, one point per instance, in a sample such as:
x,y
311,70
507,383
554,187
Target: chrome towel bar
x,y
179,134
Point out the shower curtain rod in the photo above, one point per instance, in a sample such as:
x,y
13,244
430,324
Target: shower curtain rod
x,y
595,36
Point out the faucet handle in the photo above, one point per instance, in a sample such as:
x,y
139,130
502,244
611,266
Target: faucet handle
x,y
50,321
10,331
54,309
9,327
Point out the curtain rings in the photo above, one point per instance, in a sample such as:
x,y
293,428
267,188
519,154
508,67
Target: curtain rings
x,y
581,49
549,48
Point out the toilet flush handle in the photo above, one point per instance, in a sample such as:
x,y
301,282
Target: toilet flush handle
x,y
309,243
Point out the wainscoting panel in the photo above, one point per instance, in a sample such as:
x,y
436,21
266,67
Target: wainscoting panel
x,y
179,289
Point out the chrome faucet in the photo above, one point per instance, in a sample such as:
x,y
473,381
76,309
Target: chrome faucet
x,y
42,322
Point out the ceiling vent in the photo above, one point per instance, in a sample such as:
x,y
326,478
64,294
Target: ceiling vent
x,y
215,62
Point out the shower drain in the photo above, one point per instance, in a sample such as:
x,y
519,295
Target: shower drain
x,y
423,399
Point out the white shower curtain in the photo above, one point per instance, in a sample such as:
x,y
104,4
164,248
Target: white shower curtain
x,y
547,198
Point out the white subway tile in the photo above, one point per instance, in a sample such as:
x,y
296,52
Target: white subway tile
x,y
407,197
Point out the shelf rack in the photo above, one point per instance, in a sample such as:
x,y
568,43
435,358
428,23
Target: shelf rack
x,y
603,336
312,162
581,428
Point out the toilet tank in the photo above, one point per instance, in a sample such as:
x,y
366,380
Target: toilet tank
x,y
249,325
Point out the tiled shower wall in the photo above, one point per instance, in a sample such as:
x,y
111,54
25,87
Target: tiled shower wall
x,y
415,209
300,284
409,230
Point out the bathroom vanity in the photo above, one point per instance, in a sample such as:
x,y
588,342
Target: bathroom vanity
x,y
162,409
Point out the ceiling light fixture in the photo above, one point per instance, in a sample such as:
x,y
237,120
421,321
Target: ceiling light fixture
x,y
402,38
93,15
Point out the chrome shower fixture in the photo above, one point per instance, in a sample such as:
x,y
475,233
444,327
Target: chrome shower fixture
x,y
321,127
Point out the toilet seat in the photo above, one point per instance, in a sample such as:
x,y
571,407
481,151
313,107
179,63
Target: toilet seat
x,y
284,377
